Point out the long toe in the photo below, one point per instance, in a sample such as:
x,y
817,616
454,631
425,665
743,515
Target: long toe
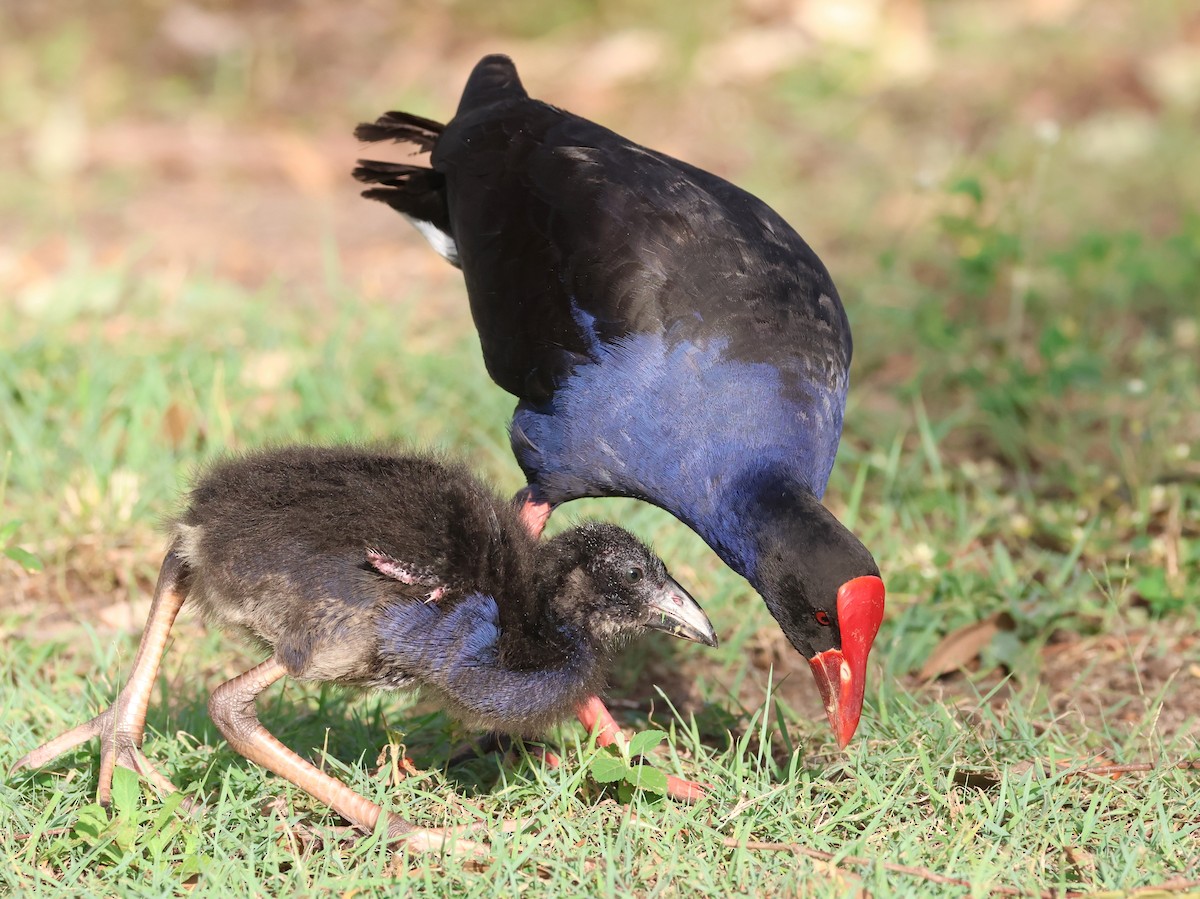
x,y
121,749
399,829
116,748
76,736
449,841
685,790
132,758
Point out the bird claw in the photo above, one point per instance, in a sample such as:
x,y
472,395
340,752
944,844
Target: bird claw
x,y
595,716
119,747
126,755
441,840
685,790
677,788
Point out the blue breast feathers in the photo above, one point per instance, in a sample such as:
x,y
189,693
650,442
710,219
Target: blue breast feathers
x,y
681,426
455,651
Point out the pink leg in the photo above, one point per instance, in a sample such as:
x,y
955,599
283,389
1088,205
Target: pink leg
x,y
596,717
534,513
122,725
231,707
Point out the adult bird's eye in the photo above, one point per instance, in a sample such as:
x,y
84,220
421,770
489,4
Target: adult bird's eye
x,y
823,618
634,574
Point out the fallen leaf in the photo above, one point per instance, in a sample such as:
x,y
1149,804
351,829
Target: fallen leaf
x,y
1083,862
962,646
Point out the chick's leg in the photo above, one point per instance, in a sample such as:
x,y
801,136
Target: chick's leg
x,y
121,727
231,707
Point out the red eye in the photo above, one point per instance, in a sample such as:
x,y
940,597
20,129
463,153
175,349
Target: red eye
x,y
823,618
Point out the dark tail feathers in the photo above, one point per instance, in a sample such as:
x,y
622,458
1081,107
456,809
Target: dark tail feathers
x,y
403,128
414,191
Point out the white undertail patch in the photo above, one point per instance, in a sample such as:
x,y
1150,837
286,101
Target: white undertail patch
x,y
442,243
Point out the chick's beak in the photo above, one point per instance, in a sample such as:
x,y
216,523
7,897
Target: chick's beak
x,y
673,610
841,674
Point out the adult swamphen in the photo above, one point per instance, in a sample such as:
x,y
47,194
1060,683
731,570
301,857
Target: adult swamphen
x,y
369,569
668,336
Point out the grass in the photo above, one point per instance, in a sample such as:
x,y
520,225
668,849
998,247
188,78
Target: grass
x,y
897,796
1021,446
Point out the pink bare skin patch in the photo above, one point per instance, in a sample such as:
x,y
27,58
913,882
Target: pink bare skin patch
x,y
406,574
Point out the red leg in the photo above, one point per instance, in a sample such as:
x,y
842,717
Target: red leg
x,y
534,515
598,720
534,512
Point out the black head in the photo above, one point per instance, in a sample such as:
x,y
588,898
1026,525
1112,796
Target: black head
x,y
804,561
823,587
614,586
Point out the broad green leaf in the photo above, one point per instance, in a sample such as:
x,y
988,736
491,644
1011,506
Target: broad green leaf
x,y
607,769
646,778
8,529
125,833
126,792
645,742
91,822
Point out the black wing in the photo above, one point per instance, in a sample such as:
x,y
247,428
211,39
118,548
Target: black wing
x,y
569,233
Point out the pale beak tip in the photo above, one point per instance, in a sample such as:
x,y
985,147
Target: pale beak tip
x,y
674,611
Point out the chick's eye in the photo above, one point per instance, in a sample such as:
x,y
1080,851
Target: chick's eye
x,y
823,618
634,574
